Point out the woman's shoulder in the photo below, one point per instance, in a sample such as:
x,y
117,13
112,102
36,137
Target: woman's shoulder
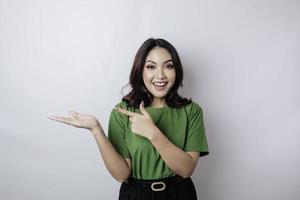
x,y
124,105
193,107
121,104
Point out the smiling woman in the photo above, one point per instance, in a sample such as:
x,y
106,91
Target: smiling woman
x,y
155,136
159,132
159,74
156,63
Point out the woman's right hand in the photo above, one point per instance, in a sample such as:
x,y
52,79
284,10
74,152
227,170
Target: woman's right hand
x,y
78,120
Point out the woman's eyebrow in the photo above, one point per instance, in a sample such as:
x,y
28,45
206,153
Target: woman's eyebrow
x,y
155,62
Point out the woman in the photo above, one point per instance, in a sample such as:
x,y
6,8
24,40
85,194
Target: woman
x,y
155,136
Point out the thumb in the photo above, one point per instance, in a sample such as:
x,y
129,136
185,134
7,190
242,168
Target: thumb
x,y
143,110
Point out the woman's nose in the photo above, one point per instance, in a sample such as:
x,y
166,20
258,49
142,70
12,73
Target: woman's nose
x,y
160,73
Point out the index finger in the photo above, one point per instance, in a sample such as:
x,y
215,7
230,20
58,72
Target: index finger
x,y
125,112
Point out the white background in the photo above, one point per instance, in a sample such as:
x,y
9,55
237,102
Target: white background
x,y
241,64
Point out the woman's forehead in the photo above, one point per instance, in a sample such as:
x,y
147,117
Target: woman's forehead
x,y
158,54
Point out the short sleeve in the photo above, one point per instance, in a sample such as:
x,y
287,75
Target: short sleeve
x,y
116,133
196,134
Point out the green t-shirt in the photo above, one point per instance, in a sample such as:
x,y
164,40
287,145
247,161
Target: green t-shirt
x,y
183,126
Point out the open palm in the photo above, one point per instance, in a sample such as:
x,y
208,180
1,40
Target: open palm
x,y
78,120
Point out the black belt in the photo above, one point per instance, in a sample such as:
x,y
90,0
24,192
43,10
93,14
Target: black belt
x,y
158,184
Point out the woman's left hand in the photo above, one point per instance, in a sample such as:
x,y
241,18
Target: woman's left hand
x,y
141,124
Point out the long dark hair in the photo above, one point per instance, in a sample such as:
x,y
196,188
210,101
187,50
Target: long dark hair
x,y
139,92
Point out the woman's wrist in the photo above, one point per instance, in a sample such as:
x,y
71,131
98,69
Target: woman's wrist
x,y
97,130
154,135
159,140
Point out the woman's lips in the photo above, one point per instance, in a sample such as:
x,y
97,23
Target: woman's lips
x,y
160,86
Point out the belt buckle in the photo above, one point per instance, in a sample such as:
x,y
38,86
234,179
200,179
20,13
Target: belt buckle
x,y
158,189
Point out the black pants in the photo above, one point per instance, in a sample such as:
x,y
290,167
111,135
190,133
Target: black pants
x,y
171,188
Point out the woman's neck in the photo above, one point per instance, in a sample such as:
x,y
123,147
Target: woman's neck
x,y
158,103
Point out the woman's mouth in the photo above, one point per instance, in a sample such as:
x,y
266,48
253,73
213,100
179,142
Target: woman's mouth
x,y
160,85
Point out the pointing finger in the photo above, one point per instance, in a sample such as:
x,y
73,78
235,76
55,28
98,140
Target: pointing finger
x,y
125,112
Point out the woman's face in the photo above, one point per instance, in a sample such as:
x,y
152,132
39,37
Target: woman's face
x,y
159,73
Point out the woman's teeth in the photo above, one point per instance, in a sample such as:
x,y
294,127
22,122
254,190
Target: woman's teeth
x,y
160,84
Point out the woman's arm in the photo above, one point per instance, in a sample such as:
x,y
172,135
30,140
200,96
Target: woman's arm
x,y
181,162
117,166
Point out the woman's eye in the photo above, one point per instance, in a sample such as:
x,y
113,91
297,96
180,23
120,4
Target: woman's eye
x,y
170,66
149,67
